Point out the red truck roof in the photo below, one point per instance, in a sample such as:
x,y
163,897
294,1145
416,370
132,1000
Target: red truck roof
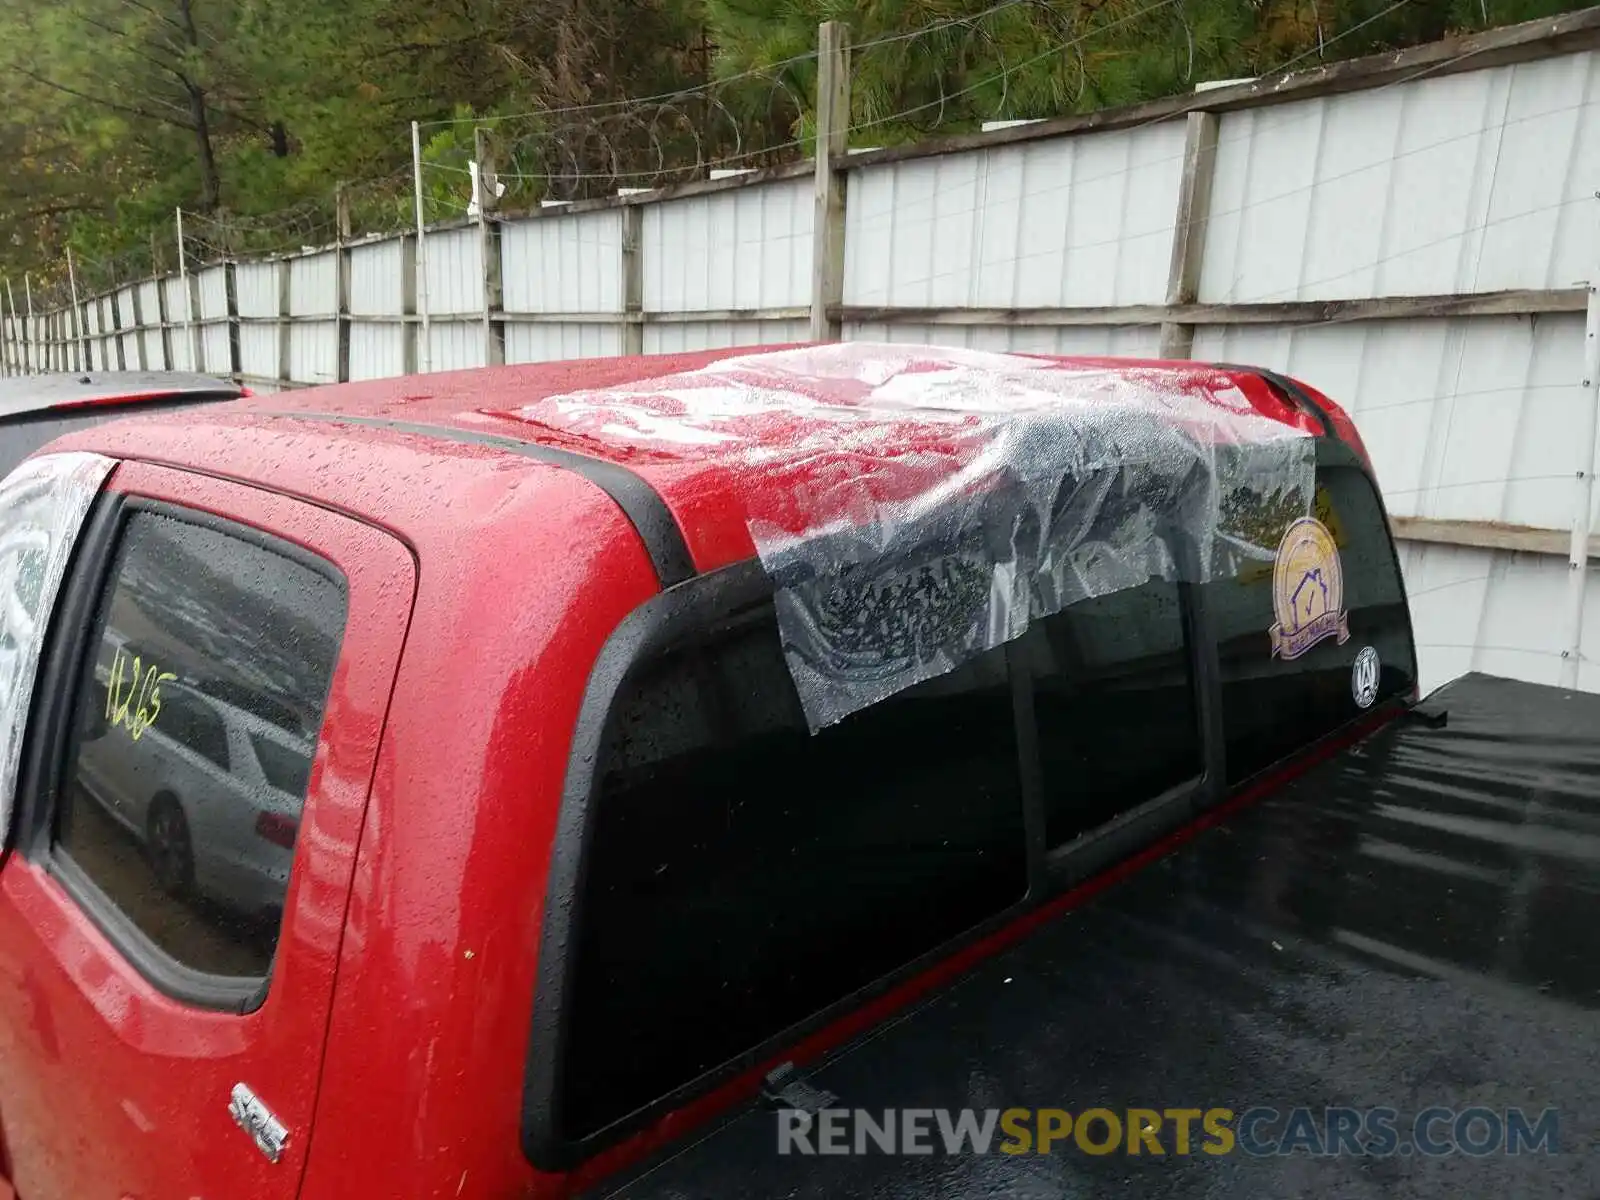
x,y
710,491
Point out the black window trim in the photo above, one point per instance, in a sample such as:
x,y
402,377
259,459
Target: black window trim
x,y
67,645
688,611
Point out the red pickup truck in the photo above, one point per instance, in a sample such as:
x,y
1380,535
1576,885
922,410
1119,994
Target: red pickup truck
x,y
563,779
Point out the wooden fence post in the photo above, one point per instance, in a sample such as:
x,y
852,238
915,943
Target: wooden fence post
x,y
230,287
833,129
1189,231
341,212
139,327
632,279
116,329
285,323
494,325
166,324
411,321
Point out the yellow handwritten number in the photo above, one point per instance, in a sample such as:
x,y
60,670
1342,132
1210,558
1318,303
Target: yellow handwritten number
x,y
141,706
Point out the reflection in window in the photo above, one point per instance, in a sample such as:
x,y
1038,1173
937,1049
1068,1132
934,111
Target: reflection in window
x,y
196,722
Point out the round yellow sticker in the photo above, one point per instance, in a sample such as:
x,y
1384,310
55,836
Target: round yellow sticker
x,y
1307,590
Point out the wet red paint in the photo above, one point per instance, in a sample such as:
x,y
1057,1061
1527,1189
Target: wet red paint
x,y
394,1039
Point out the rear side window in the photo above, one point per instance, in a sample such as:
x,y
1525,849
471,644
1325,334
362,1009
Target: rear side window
x,y
205,643
1114,702
744,874
1313,640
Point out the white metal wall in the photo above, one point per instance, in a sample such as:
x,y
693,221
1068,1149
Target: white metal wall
x,y
1082,221
1475,182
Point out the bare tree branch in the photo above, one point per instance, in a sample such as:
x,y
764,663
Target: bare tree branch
x,y
131,110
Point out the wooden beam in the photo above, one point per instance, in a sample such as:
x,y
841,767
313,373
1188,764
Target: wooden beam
x,y
632,280
1543,38
1518,303
494,332
675,191
833,129
1189,230
341,304
285,321
1487,535
410,318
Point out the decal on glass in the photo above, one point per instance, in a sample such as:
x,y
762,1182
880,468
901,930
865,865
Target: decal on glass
x,y
1307,590
1364,677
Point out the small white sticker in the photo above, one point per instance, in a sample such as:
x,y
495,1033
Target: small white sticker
x,y
1364,677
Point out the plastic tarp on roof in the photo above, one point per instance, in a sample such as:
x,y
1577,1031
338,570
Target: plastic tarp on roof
x,y
917,506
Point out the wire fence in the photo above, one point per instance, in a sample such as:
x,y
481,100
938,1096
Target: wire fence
x,y
759,116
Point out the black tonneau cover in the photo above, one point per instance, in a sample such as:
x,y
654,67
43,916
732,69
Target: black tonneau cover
x,y
1413,923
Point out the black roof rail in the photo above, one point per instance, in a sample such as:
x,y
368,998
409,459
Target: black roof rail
x,y
643,506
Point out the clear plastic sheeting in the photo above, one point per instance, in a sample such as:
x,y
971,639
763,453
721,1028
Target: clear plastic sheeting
x,y
43,504
917,506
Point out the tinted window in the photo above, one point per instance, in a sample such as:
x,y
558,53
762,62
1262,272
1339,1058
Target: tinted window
x,y
744,874
203,640
21,435
1278,695
1114,704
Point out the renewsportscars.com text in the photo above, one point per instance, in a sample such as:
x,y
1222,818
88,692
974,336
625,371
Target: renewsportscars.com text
x,y
1259,1131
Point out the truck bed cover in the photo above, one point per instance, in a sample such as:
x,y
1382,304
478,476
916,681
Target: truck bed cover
x,y
1410,923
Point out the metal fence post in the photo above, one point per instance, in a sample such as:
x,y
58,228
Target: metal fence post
x,y
1583,513
833,128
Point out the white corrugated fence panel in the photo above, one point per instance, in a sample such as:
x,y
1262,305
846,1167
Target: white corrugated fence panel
x,y
455,273
529,342
177,293
377,351
1465,419
258,350
314,351
741,249
1137,341
150,301
180,339
563,264
1465,183
377,277
217,349
672,337
1081,221
256,289
1483,610
126,318
314,284
456,345
214,292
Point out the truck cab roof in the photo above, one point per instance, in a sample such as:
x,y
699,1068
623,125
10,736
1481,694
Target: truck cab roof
x,y
690,500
